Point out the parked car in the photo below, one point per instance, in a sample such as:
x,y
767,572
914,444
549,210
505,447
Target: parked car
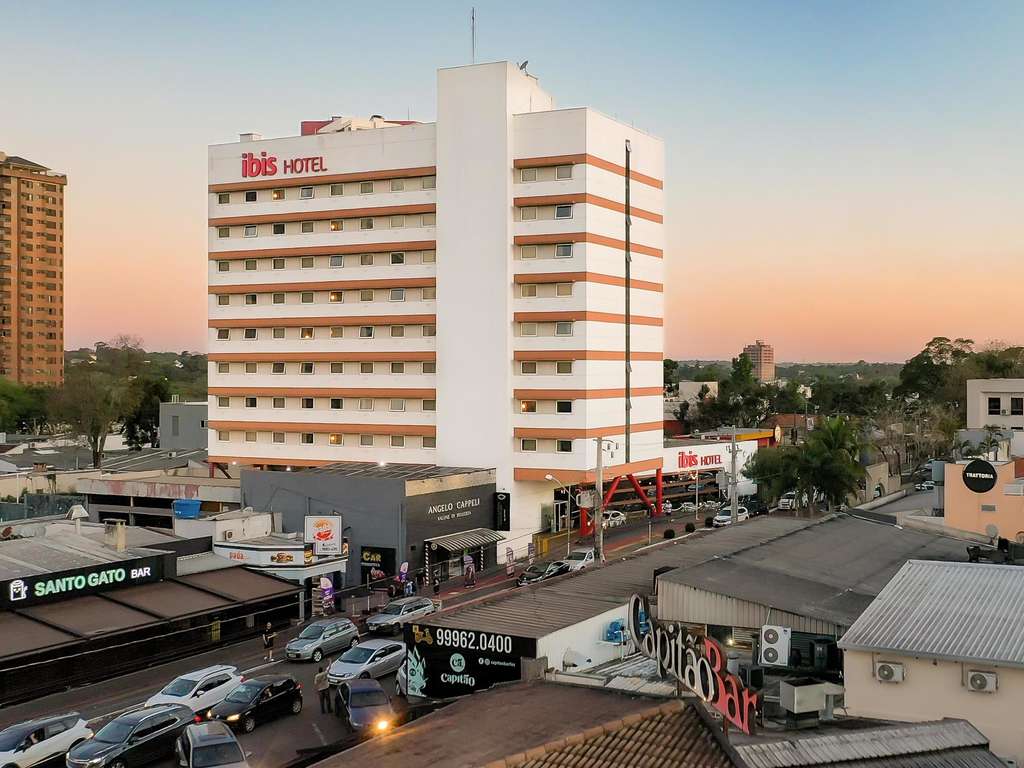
x,y
136,738
542,571
788,501
321,638
398,612
36,741
579,559
209,745
614,518
258,700
925,485
198,690
365,707
374,658
724,517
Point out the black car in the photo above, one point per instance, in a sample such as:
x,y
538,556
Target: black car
x,y
541,571
135,738
257,700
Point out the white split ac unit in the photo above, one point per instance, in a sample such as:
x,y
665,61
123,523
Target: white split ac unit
x,y
774,646
982,682
229,534
889,671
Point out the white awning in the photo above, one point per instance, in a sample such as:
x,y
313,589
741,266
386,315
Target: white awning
x,y
471,539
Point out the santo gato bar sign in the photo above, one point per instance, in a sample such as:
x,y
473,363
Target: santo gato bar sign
x,y
254,165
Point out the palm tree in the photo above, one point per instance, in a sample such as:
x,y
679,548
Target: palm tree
x,y
829,462
990,443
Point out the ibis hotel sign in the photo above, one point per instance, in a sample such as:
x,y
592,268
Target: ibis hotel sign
x,y
263,164
64,585
697,662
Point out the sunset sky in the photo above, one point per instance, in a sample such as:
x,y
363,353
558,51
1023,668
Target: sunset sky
x,y
844,180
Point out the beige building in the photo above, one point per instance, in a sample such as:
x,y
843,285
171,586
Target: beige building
x,y
999,402
763,357
1003,506
31,272
943,640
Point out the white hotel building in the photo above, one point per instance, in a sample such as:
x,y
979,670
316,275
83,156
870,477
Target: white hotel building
x,y
448,293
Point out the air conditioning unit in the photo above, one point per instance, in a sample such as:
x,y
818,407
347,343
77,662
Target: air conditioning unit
x,y
889,672
774,646
982,682
229,534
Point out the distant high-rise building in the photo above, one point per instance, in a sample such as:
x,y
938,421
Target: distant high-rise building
x,y
763,357
31,272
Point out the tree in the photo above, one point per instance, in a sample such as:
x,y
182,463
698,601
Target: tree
x,y
89,403
788,398
142,411
829,461
774,471
22,409
671,374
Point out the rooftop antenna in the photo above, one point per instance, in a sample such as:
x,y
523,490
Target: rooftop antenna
x,y
522,67
472,28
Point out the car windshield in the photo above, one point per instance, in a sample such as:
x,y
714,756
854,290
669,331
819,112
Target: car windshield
x,y
357,655
179,687
369,699
12,737
535,569
311,632
114,732
244,693
577,555
217,754
392,609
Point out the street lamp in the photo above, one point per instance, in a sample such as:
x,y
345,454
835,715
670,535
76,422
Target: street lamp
x,y
568,512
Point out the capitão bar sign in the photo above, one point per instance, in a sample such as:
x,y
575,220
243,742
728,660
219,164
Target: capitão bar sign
x,y
695,661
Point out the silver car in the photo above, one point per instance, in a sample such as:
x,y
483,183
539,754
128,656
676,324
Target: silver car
x,y
209,745
374,658
322,638
398,612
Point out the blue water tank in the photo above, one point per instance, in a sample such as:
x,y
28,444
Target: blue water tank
x,y
186,509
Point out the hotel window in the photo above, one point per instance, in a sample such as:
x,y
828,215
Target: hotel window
x,y
277,367
306,333
279,437
223,198
366,188
337,403
563,367
398,441
223,402
366,367
563,172
250,230
277,194
528,174
430,367
995,404
563,289
307,403
336,297
307,438
1017,406
250,265
337,367
305,193
250,299
428,257
223,266
528,290
335,439
223,300
278,263
249,333
223,367
366,260
527,406
250,196
528,367
366,223
397,331
307,297
308,262
223,231
397,404
528,213
306,367
429,293
223,435
397,185
430,330
430,405
397,367
366,440
337,189
563,446
250,437
563,211
306,227
398,258
528,252
337,261
429,219
527,329
251,368
528,444
429,182
279,229
365,403
279,333
279,402
366,295
397,222
397,294
279,298
429,441
563,406
563,251
563,328
337,225
250,402
337,332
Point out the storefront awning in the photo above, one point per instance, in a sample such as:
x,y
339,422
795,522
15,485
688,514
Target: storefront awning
x,y
456,542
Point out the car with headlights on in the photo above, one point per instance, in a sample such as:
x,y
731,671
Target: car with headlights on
x,y
258,700
373,658
398,612
135,738
37,741
209,745
365,707
322,638
198,690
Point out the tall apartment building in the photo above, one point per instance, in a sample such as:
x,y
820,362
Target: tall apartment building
x,y
31,272
763,357
446,293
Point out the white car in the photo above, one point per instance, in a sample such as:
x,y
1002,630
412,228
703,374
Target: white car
x,y
579,559
198,690
788,500
926,485
724,517
614,518
38,741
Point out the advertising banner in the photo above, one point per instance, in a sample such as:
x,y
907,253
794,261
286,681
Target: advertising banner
x,y
445,662
324,531
64,585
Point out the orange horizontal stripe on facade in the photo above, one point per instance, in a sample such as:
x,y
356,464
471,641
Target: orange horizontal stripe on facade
x,y
585,277
588,237
580,354
321,357
326,285
582,394
585,159
308,322
584,197
580,315
332,178
341,213
324,250
324,392
299,426
586,476
563,434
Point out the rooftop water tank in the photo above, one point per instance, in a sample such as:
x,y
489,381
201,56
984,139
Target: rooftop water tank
x,y
186,509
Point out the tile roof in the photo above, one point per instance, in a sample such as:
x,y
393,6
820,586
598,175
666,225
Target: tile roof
x,y
960,611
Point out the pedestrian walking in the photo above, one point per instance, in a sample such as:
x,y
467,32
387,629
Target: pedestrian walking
x,y
268,642
437,586
323,689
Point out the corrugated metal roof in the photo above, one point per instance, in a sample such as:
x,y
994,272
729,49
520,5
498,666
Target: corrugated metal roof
x,y
375,470
940,743
963,611
475,537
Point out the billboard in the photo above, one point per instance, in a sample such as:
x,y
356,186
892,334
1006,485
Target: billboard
x,y
64,585
324,532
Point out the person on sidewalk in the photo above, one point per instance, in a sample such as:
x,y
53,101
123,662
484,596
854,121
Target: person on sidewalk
x,y
268,642
323,689
437,586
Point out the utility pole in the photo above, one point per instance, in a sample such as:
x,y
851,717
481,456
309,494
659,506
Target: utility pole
x,y
472,33
734,501
628,317
599,501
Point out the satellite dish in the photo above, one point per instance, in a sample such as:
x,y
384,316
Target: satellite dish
x,y
992,531
6,532
522,67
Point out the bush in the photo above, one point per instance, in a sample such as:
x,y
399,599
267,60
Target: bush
x,y
670,533
690,528
709,522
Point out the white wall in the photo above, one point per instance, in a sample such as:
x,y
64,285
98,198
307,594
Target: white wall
x,y
583,638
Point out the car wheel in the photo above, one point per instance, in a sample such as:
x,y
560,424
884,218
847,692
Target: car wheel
x,y
249,724
117,764
364,676
296,705
318,656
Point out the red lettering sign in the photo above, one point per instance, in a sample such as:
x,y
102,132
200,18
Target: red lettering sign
x,y
687,459
266,165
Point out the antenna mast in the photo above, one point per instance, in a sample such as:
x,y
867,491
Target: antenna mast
x,y
472,30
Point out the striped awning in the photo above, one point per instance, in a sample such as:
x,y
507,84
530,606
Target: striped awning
x,y
471,539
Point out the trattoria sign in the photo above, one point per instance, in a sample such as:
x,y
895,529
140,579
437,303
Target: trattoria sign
x,y
697,662
64,585
254,165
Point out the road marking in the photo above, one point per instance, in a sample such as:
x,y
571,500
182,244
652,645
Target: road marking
x,y
262,666
319,735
